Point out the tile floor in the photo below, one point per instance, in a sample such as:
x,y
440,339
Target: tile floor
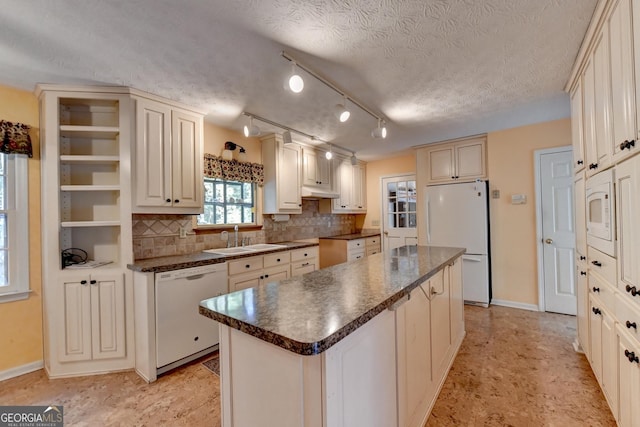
x,y
515,368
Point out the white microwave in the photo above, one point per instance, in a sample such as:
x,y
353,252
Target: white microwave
x,y
601,212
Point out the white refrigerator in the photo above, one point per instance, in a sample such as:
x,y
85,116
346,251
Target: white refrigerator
x,y
458,215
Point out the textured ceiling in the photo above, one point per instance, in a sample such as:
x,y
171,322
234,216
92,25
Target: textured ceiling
x,y
435,69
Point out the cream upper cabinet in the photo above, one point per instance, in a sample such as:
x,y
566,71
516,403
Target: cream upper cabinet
x,y
282,176
316,169
577,135
623,98
599,156
350,182
168,159
463,160
359,188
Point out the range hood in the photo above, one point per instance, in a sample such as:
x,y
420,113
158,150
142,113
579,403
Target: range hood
x,y
317,193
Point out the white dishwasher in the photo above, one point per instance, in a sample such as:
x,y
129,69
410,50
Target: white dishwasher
x,y
183,334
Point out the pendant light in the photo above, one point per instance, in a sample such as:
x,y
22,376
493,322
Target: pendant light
x,y
251,129
294,82
340,110
380,131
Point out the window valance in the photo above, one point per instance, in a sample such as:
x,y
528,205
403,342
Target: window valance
x,y
233,170
15,138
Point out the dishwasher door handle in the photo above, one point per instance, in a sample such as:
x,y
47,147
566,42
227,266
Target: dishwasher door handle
x,y
195,277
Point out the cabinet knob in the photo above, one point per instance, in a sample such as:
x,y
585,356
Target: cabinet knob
x,y
168,200
631,325
583,273
278,260
596,310
593,166
93,282
596,263
305,264
582,257
596,289
453,177
247,266
176,201
261,277
83,282
580,162
266,275
631,144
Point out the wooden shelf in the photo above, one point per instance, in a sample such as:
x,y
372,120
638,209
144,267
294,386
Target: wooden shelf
x,y
89,159
73,131
89,188
77,224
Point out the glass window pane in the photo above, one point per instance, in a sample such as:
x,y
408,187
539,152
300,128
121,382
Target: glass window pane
x,y
3,162
208,192
219,197
402,189
412,220
3,192
392,221
4,273
248,215
402,220
392,189
402,206
247,189
3,231
234,193
412,206
392,207
234,214
219,214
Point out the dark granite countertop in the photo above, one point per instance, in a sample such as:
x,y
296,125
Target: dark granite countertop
x,y
178,262
363,234
310,313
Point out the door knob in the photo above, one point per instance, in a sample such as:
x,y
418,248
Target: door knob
x,y
548,241
386,233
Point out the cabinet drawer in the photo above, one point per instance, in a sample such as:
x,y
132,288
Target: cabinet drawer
x,y
355,244
602,290
245,265
602,264
373,242
372,250
304,253
279,258
628,316
356,254
302,267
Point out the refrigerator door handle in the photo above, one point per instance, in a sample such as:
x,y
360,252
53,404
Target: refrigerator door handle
x,y
428,220
464,258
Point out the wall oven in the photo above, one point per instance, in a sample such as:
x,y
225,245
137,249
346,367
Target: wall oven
x,y
601,212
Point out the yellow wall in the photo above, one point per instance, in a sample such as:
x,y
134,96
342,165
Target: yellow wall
x,y
376,170
215,137
21,336
513,227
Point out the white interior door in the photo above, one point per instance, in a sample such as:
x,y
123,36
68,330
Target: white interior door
x,y
399,211
558,232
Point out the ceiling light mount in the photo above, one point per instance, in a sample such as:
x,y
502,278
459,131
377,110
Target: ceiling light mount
x,y
341,111
380,131
251,129
333,86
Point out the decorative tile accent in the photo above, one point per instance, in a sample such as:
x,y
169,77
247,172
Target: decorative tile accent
x,y
158,235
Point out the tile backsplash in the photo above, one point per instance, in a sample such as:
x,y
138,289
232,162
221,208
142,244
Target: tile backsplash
x,y
156,235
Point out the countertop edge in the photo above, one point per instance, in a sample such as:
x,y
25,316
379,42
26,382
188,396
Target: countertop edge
x,y
317,347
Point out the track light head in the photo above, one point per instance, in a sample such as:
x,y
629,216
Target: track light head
x,y
251,129
341,111
354,159
380,131
294,82
329,154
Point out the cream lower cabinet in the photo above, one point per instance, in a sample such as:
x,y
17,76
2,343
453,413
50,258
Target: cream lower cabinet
x,y
333,251
628,360
91,323
304,260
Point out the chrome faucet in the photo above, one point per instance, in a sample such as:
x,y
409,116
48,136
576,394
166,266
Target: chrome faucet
x,y
235,231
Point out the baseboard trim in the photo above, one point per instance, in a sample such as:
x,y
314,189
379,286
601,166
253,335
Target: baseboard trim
x,y
514,304
21,370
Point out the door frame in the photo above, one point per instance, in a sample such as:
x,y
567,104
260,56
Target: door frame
x,y
382,201
539,245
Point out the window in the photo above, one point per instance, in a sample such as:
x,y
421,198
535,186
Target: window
x,y
14,228
228,202
402,204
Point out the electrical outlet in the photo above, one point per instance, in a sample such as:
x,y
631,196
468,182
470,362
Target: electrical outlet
x,y
375,223
183,233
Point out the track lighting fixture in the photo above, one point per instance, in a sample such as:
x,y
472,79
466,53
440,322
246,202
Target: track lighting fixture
x,y
380,131
341,112
294,83
354,159
251,129
329,154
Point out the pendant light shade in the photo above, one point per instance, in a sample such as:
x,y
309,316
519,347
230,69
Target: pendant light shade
x,y
341,112
380,131
294,82
251,129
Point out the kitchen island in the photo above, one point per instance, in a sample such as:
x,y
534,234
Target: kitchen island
x,y
362,343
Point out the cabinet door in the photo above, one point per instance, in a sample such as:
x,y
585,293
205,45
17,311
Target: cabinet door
x,y
440,334
602,97
627,175
470,160
359,188
595,331
323,171
244,281
153,153
589,116
629,379
344,180
580,203
582,296
415,382
454,276
275,274
609,361
107,316
623,105
577,136
74,326
309,168
289,177
186,160
441,164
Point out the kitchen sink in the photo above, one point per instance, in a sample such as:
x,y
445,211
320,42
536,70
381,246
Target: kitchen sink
x,y
230,251
265,246
260,247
